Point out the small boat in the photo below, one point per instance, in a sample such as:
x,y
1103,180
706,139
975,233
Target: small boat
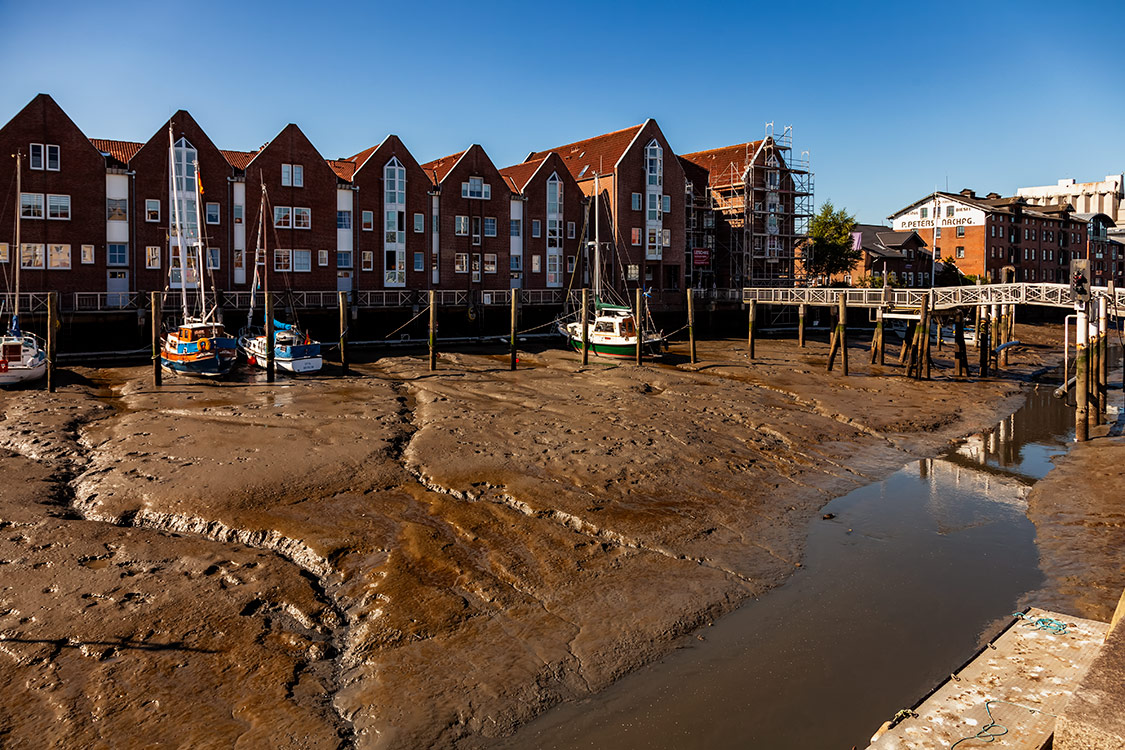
x,y
615,326
199,346
22,355
293,350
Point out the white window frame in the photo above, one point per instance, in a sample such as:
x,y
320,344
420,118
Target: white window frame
x,y
65,202
214,258
367,221
86,256
514,227
30,203
298,175
207,212
419,262
109,257
58,158
367,260
345,259
64,254
489,223
302,261
461,226
111,209
536,228
36,161
299,211
419,223
282,260
343,217
282,217
460,263
322,258
475,229
152,205
239,212
36,252
286,176
570,230
515,263
476,189
490,263
152,256
638,202
5,255
636,237
536,263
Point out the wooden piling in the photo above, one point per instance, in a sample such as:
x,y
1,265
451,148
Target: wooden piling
x,y
752,335
840,339
908,342
961,354
342,301
433,330
926,358
640,328
882,337
691,322
1082,380
52,337
585,328
156,305
1103,358
515,314
271,355
802,310
983,345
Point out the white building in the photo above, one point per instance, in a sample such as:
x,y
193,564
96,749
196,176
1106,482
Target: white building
x,y
1106,197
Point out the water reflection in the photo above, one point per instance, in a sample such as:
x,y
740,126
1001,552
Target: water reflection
x,y
895,593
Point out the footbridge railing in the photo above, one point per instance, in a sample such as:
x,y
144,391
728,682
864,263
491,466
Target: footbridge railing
x,y
944,297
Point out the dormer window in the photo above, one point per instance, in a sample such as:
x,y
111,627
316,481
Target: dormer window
x,y
476,188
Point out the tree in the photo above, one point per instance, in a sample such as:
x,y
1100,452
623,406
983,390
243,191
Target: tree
x,y
829,249
949,274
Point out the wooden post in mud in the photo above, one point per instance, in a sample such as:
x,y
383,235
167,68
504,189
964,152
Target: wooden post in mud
x,y
585,328
1082,379
515,314
882,338
960,353
157,325
342,301
271,363
753,325
840,339
52,337
433,331
907,342
995,335
877,338
925,364
691,323
1103,358
802,309
983,335
640,328
1006,327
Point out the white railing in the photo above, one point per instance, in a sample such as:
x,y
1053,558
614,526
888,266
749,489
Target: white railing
x,y
1052,295
96,301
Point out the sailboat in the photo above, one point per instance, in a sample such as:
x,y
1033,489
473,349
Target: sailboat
x,y
293,351
199,346
615,325
22,356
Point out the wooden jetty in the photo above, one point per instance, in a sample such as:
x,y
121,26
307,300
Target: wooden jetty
x,y
1012,691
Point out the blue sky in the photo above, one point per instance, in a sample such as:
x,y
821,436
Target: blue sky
x,y
891,100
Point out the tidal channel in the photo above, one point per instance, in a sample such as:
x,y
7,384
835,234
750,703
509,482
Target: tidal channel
x,y
898,588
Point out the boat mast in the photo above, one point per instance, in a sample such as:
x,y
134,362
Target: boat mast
x,y
265,242
199,269
178,234
597,242
19,249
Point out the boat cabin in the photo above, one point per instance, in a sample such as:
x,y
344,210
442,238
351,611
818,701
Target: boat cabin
x,y
616,326
196,331
12,351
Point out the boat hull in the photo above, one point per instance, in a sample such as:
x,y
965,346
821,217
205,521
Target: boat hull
x,y
293,358
24,373
649,349
214,365
22,359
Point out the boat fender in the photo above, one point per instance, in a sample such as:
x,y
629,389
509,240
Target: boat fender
x,y
204,345
3,365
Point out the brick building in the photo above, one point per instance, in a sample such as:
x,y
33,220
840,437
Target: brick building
x,y
900,256
985,235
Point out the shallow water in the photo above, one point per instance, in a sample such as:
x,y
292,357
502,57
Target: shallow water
x,y
896,592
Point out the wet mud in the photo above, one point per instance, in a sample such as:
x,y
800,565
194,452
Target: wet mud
x,y
405,559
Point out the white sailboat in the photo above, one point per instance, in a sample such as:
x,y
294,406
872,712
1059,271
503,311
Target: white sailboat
x,y
615,328
22,355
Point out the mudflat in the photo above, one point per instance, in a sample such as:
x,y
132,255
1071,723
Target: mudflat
x,y
406,559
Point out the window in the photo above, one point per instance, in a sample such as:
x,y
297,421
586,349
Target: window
x,y
960,231
515,263
570,230
937,233
554,270
4,252
152,256
476,230
59,257
419,261
117,209
31,256
302,218
292,175
238,213
282,217
653,207
322,258
213,259
286,175
31,205
636,236
367,260
419,223
489,226
514,227
461,226
58,206
52,158
117,255
636,201
960,251
394,226
367,222
937,253
536,228
152,209
461,263
993,228
343,219
282,260
949,211
924,213
302,261
212,213
35,160
476,187
570,264
87,254
666,236
666,204
298,175
536,263
654,163
490,262
343,259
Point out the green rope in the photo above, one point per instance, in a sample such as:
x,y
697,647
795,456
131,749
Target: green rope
x,y
1049,624
988,732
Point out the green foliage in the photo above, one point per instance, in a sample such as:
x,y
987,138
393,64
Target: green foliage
x,y
828,249
949,275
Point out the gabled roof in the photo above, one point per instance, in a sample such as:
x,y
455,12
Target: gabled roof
x,y
598,154
518,175
122,151
361,158
439,168
238,159
726,165
344,168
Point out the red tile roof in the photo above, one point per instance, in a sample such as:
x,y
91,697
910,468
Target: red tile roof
x,y
363,155
344,168
517,175
597,154
727,165
439,168
238,159
123,151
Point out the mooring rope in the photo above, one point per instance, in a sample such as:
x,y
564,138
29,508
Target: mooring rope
x,y
1050,624
989,733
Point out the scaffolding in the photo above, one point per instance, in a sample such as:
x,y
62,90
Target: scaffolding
x,y
766,199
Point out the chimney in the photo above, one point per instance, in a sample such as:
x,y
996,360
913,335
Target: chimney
x,y
992,196
967,193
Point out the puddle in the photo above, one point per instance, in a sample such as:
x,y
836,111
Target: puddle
x,y
896,592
